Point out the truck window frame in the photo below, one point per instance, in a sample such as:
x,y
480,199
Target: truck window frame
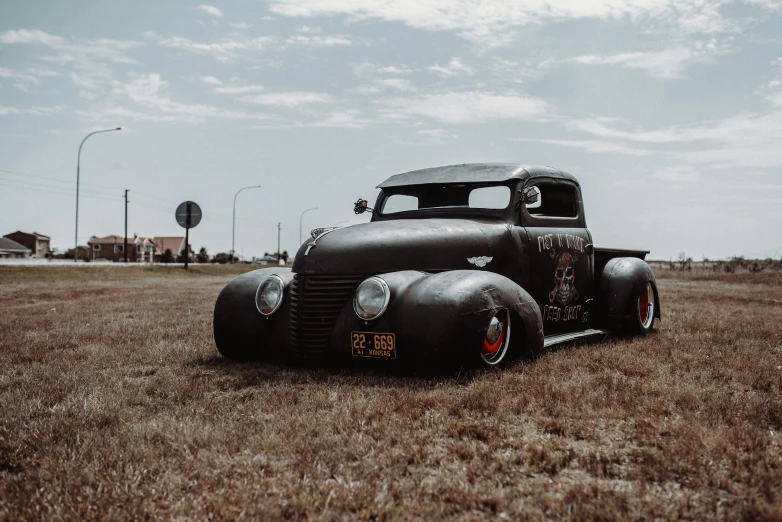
x,y
533,220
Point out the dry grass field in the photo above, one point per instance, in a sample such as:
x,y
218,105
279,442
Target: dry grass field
x,y
115,405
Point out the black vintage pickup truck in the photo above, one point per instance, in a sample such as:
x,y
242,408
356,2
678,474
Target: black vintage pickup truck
x,y
476,263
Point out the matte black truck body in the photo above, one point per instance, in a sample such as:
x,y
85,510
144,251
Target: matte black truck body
x,y
485,257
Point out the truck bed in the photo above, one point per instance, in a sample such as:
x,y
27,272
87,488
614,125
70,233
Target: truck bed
x,y
604,255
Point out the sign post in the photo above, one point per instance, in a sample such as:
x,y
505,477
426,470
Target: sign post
x,y
188,215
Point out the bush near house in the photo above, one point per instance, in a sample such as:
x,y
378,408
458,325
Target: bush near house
x,y
223,258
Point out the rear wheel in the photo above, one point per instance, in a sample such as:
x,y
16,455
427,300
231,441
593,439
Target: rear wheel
x,y
496,341
642,321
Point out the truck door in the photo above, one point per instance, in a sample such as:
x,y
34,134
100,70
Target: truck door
x,y
560,248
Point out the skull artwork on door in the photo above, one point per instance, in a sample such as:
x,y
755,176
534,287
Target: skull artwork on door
x,y
564,278
561,277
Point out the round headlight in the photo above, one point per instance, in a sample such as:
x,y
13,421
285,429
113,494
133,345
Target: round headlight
x,y
371,299
268,297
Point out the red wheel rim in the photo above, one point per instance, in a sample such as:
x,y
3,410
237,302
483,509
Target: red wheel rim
x,y
646,306
493,353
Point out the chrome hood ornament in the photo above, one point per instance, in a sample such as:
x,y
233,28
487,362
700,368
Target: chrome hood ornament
x,y
316,234
480,262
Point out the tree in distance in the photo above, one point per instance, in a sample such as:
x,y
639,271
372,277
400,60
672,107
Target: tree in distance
x,y
223,258
167,257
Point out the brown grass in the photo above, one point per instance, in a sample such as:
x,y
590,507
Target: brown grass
x,y
114,405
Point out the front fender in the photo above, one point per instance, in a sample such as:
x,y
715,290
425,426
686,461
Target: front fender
x,y
240,331
443,317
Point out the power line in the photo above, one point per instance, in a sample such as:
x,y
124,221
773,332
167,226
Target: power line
x,y
57,192
58,180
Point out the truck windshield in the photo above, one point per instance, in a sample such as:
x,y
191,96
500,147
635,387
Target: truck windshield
x,y
424,197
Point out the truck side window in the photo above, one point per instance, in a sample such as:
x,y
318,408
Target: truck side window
x,y
555,200
497,197
400,203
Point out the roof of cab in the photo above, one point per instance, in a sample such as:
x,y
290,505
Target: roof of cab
x,y
474,173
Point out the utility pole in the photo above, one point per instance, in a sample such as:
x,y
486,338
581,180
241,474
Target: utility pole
x,y
278,242
125,248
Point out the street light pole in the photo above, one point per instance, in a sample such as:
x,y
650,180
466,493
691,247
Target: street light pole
x,y
78,165
302,217
233,226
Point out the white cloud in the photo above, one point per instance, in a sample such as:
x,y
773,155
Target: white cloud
x,y
392,69
467,107
368,90
238,89
34,111
32,37
145,91
668,63
398,84
593,146
223,49
85,82
211,80
494,22
290,99
18,75
348,119
454,68
319,40
378,76
742,140
211,10
677,174
83,53
42,72
436,134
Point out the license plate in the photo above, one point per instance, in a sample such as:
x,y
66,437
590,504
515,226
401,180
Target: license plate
x,y
372,344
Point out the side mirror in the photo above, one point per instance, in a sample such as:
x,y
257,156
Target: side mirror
x,y
530,195
360,206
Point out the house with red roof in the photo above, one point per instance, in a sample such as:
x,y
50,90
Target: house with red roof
x,y
39,244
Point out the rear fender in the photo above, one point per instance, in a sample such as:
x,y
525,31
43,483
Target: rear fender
x,y
621,280
240,331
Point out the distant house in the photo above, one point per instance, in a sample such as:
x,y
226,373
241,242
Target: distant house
x,y
11,249
84,253
38,244
267,259
174,243
112,248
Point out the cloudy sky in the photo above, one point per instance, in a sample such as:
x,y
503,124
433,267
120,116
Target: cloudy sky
x,y
668,111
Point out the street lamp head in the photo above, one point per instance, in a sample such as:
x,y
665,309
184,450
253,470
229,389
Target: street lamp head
x,y
120,128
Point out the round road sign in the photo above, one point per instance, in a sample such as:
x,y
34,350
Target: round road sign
x,y
188,214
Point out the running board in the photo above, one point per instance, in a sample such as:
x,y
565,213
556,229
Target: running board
x,y
553,340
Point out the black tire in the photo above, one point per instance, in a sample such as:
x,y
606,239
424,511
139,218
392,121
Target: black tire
x,y
641,320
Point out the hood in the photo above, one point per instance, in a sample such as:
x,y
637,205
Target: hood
x,y
405,244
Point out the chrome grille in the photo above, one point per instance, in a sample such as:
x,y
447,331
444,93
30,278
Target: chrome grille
x,y
316,301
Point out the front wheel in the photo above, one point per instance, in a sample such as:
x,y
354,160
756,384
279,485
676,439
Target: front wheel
x,y
496,342
642,315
